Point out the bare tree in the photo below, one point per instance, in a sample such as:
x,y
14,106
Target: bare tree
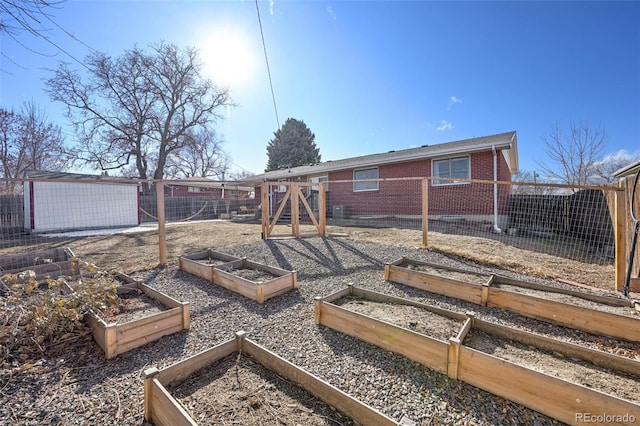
x,y
573,155
139,108
202,156
24,15
604,169
29,141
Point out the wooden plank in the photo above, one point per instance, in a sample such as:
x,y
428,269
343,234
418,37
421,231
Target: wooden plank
x,y
29,259
452,358
264,210
266,268
589,320
196,268
322,209
277,287
198,255
238,284
417,347
162,233
54,269
464,330
607,300
337,295
620,235
570,350
434,284
178,372
322,390
125,346
165,410
549,395
160,297
425,213
147,326
186,315
98,329
276,216
417,262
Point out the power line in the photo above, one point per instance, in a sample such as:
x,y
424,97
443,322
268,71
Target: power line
x,y
266,59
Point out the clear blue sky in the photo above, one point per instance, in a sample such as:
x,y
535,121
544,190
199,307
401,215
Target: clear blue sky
x,y
372,76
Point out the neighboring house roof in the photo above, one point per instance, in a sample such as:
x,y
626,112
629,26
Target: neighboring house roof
x,y
629,170
63,176
208,183
503,141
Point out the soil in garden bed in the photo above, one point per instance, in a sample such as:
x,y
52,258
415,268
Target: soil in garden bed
x,y
410,317
135,305
556,364
255,275
569,300
239,391
446,273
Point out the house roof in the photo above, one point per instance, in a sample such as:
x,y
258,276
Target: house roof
x,y
501,141
628,170
209,183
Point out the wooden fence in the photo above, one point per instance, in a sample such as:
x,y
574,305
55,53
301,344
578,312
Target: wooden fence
x,y
584,215
11,212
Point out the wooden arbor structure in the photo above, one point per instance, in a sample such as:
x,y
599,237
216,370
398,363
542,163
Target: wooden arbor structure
x,y
290,202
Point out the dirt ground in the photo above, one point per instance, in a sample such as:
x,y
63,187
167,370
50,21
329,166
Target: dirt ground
x,y
239,391
139,251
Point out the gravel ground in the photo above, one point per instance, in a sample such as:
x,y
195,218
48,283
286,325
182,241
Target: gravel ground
x,y
81,387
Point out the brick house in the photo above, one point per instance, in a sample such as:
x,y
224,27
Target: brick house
x,y
356,181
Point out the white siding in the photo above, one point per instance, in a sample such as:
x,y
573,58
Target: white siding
x,y
68,205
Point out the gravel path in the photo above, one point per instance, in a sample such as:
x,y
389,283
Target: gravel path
x,y
81,387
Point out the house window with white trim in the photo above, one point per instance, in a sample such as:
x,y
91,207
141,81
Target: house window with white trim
x,y
365,176
451,168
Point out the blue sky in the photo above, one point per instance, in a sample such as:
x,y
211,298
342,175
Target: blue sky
x,y
372,76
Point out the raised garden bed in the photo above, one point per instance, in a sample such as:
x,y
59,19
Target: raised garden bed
x,y
254,280
146,315
169,393
602,315
48,263
484,362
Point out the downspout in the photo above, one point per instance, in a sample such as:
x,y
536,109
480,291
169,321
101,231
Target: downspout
x,y
496,228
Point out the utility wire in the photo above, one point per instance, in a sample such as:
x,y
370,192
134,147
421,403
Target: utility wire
x,y
266,59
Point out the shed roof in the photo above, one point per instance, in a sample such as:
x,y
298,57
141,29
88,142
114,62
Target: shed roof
x,y
64,176
501,141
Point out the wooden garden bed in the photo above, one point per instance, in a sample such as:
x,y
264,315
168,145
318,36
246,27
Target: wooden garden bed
x,y
48,263
512,378
602,315
150,317
254,280
163,408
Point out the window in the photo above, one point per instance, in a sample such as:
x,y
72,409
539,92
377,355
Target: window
x,y
364,175
318,180
193,189
454,168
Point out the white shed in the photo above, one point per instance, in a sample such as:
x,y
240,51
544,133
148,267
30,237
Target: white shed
x,y
56,201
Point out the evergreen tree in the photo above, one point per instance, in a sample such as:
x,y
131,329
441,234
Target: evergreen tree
x,y
293,145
